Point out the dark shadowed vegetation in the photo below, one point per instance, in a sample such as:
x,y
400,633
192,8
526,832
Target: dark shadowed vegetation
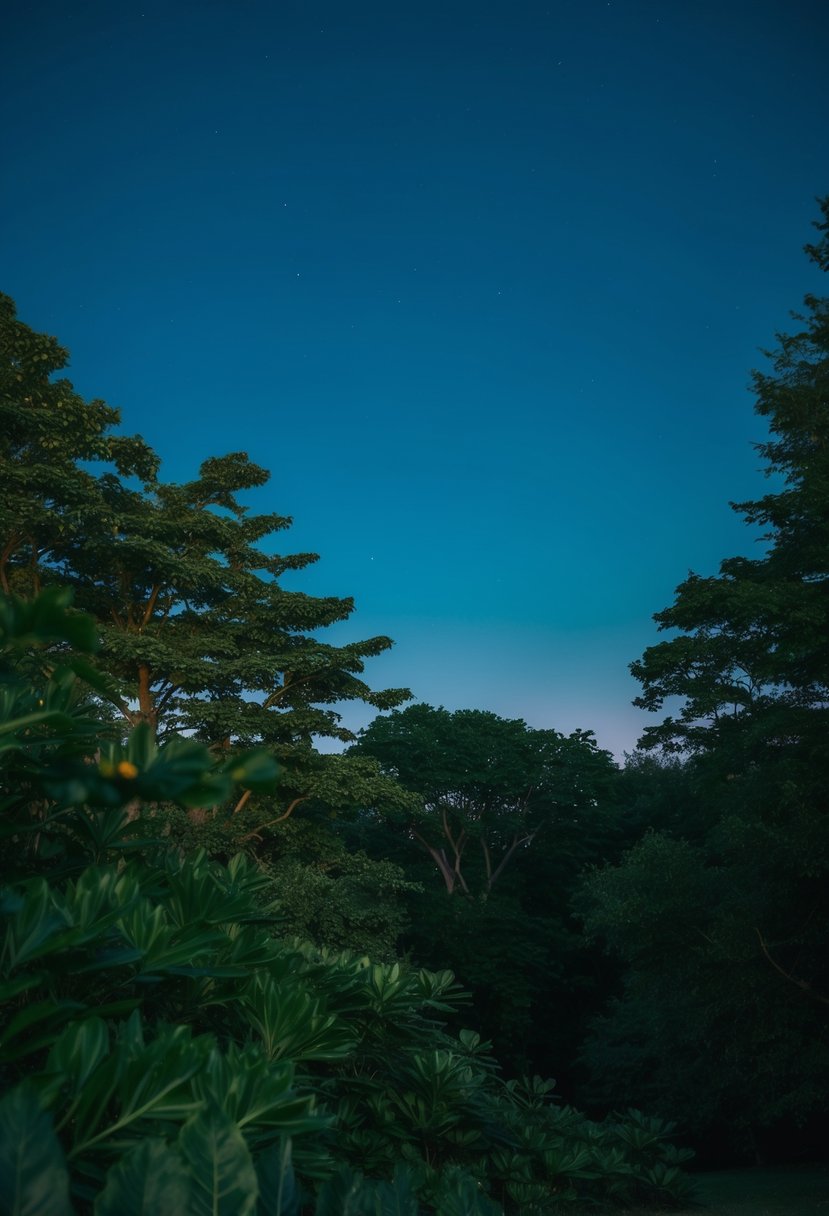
x,y
239,975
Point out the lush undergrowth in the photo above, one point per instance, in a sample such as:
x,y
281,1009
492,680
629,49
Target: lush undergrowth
x,y
164,1050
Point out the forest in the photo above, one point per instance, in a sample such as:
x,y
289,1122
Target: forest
x,y
461,966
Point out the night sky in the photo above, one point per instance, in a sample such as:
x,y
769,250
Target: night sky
x,y
481,284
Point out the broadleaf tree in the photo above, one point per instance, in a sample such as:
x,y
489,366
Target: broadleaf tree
x,y
488,786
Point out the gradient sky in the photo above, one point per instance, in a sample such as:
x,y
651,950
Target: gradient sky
x,y
481,284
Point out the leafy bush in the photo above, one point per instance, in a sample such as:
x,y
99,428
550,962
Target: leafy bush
x,y
164,1050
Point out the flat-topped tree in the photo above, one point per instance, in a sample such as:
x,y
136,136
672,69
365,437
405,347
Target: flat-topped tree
x,y
487,786
194,622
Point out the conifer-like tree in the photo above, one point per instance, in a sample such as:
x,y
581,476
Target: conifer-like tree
x,y
724,1017
751,661
195,625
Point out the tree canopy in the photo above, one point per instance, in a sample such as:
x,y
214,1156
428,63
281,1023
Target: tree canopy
x,y
488,785
195,623
670,919
722,920
751,660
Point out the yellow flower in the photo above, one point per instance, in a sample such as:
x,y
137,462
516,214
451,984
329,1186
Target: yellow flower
x,y
126,769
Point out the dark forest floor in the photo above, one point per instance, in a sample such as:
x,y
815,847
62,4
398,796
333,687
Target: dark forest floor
x,y
794,1191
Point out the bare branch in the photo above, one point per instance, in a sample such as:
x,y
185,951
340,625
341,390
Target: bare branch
x,y
279,819
802,984
243,801
450,877
504,862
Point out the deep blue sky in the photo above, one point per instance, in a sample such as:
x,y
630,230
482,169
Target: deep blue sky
x,y
481,284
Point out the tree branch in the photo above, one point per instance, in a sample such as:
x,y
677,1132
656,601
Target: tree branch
x,y
165,697
4,559
803,984
516,844
291,681
279,819
124,709
439,858
242,802
151,603
487,862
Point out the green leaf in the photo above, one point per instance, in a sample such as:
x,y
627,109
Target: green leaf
x,y
397,1198
151,1180
256,1093
35,1026
100,681
12,988
292,1022
462,1197
224,1180
37,717
33,1177
256,771
79,1051
45,620
342,1194
278,1190
136,1084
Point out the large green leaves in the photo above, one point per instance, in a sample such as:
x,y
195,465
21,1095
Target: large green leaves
x,y
44,622
291,1021
49,733
207,1172
344,1194
256,1093
224,1178
150,1180
278,1189
177,1049
34,1180
133,1089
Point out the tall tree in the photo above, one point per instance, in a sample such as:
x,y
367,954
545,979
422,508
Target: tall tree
x,y
505,819
751,661
194,622
49,438
725,942
488,785
194,618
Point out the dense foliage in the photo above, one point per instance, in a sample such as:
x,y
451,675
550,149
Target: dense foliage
x,y
239,975
165,1050
487,786
722,919
503,822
